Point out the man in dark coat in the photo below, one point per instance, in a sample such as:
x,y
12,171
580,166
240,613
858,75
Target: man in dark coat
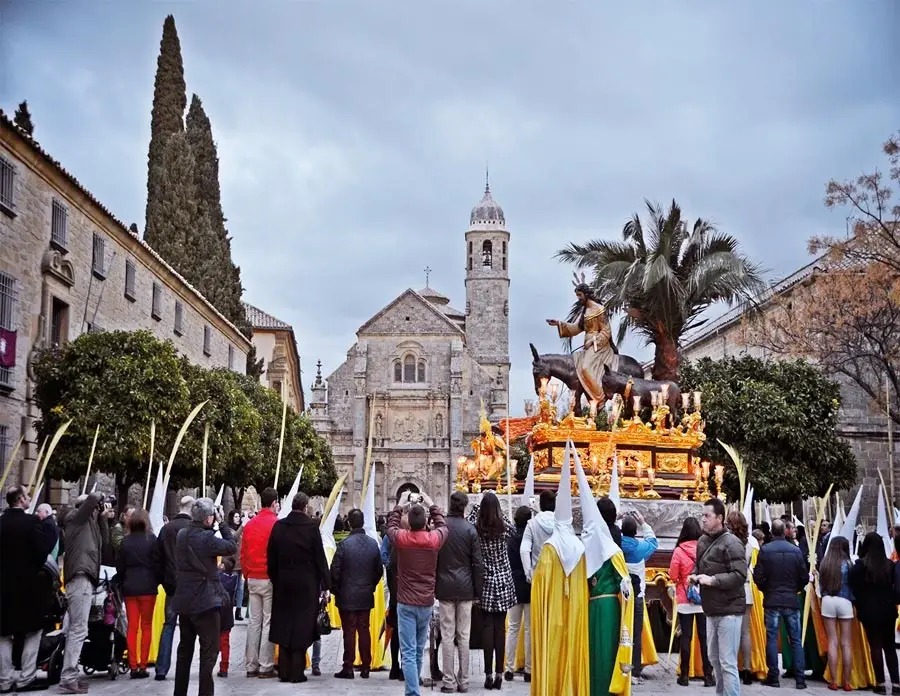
x,y
198,592
299,573
355,572
460,575
166,539
25,543
780,574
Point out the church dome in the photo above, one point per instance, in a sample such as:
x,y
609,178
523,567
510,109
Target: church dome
x,y
487,211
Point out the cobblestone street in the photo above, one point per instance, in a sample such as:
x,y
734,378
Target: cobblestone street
x,y
658,680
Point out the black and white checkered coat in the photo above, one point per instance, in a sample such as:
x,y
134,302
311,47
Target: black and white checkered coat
x,y
498,592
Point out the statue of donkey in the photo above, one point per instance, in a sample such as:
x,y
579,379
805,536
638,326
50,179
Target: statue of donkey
x,y
562,367
616,383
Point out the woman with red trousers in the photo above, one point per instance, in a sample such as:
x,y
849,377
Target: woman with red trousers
x,y
139,572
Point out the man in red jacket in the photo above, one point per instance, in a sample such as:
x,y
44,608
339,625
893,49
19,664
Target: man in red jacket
x,y
260,653
417,553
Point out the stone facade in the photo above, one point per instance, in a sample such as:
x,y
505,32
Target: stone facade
x,y
275,344
68,266
426,369
861,421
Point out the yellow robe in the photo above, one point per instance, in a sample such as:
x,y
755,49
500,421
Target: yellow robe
x,y
559,628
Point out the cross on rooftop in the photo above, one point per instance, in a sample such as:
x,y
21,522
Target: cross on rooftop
x,y
427,275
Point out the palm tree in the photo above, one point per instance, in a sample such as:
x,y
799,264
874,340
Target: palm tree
x,y
665,277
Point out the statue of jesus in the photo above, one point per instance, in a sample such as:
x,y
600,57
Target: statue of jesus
x,y
598,348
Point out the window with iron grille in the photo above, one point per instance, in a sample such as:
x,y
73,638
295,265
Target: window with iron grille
x,y
98,264
129,279
59,226
230,357
207,341
4,443
7,318
156,303
7,186
179,319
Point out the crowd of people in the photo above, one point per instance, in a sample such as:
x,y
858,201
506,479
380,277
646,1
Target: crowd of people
x,y
456,583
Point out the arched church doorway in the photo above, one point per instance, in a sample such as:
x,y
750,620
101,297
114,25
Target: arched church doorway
x,y
407,488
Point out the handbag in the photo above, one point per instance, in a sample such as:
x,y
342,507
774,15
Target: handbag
x,y
323,620
693,594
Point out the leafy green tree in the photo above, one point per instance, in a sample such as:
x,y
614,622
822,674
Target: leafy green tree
x,y
167,118
781,416
22,118
120,381
663,277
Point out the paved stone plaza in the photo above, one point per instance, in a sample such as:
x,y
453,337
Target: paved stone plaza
x,y
658,680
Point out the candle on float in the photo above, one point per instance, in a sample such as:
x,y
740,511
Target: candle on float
x,y
664,394
651,476
686,401
697,400
637,404
705,466
654,398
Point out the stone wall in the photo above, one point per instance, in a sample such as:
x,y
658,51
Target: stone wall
x,y
60,292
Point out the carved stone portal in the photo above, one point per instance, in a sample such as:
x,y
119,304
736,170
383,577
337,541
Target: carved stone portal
x,y
56,265
408,429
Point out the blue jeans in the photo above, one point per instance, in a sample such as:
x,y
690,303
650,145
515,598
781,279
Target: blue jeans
x,y
317,654
412,623
723,636
164,654
792,623
239,593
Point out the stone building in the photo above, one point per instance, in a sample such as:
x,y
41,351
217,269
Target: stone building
x,y
426,369
861,421
68,266
275,343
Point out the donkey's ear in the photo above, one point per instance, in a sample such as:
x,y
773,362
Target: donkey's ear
x,y
605,369
534,352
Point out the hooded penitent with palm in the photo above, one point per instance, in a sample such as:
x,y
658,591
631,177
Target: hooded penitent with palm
x,y
664,277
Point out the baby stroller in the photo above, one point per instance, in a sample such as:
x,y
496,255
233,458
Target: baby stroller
x,y
104,649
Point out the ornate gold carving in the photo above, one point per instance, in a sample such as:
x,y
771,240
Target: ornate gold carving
x,y
672,462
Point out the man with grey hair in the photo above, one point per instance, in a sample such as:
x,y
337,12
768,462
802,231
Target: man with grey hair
x,y
198,592
47,514
86,532
166,539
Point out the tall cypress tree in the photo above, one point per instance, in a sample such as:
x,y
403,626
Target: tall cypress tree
x,y
177,206
221,279
23,118
169,101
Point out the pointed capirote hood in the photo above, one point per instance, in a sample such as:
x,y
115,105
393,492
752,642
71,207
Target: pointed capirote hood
x,y
567,544
599,546
748,506
288,500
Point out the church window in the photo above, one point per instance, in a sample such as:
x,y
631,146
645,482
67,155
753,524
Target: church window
x,y
487,254
409,369
504,263
420,374
398,371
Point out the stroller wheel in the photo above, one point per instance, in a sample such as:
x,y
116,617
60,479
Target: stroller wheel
x,y
123,667
87,670
113,673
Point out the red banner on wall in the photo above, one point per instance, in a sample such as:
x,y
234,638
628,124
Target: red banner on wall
x,y
7,348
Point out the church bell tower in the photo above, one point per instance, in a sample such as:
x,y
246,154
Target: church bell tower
x,y
487,287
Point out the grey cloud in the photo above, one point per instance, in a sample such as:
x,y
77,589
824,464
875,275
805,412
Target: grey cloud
x,y
353,136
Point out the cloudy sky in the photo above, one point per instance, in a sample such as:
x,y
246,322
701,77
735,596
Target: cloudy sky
x,y
353,135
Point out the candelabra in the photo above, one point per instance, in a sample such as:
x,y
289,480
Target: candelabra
x,y
701,485
720,476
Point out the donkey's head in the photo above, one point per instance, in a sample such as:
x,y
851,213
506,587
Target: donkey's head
x,y
540,369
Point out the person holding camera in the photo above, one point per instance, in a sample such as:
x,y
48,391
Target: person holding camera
x,y
636,552
417,554
199,595
86,533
